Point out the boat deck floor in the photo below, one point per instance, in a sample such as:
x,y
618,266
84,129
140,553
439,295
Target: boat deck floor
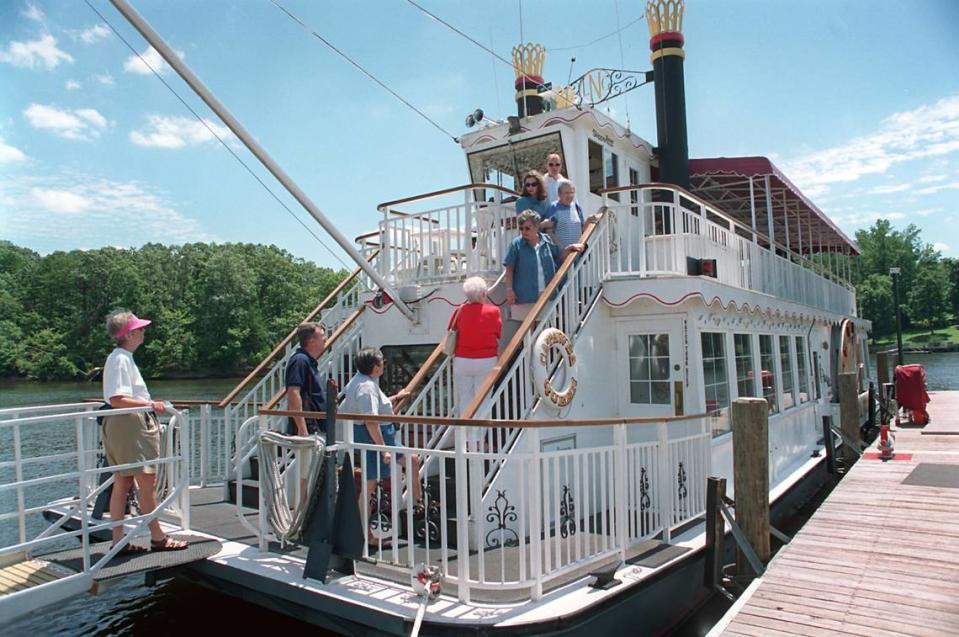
x,y
880,556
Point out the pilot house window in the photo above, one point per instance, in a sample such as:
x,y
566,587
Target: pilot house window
x,y
505,165
603,169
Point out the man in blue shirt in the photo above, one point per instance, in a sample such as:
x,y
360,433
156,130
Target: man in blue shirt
x,y
531,262
565,216
304,384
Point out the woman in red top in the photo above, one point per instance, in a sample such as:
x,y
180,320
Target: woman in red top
x,y
480,326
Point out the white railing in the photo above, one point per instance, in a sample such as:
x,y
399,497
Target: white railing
x,y
657,228
54,461
557,512
211,445
444,243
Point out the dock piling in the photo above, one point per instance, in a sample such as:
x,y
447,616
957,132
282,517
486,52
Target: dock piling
x,y
750,420
715,533
830,444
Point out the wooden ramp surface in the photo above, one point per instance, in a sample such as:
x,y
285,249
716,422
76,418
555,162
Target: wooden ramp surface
x,y
880,556
30,573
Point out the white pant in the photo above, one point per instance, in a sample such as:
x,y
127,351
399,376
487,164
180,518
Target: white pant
x,y
468,375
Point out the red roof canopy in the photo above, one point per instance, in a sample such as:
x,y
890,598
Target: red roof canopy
x,y
724,182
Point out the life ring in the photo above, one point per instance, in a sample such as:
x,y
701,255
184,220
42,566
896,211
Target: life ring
x,y
547,340
847,347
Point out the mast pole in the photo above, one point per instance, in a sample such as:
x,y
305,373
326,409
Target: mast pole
x,y
258,151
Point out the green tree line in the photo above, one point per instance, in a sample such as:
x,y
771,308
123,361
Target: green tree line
x,y
216,309
928,283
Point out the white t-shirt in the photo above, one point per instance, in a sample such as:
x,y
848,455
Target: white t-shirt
x,y
363,395
121,377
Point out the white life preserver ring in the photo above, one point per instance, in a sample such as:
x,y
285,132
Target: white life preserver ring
x,y
547,340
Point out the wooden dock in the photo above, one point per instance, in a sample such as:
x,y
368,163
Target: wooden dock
x,y
881,554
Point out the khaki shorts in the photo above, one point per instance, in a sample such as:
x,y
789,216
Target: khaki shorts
x,y
132,438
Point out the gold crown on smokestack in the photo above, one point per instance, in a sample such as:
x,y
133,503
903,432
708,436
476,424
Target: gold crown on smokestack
x,y
529,59
664,16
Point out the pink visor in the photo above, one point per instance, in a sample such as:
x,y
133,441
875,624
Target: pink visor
x,y
133,323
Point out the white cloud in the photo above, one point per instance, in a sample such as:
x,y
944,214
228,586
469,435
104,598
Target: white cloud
x,y
9,154
867,218
33,12
888,190
105,78
94,34
931,190
60,201
931,179
941,247
83,124
72,85
177,132
43,212
928,131
43,52
149,59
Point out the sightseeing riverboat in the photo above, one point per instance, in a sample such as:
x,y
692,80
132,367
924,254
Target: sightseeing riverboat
x,y
572,490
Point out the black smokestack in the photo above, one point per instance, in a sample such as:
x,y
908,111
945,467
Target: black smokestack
x,y
665,20
528,61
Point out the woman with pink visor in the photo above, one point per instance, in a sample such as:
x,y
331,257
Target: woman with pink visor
x,y
131,438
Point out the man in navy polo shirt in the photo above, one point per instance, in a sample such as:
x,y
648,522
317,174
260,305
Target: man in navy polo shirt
x,y
304,385
531,262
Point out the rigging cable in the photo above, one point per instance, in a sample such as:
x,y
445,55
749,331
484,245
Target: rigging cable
x,y
622,59
217,137
361,69
600,39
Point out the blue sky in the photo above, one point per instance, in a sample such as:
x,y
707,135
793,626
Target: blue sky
x,y
857,101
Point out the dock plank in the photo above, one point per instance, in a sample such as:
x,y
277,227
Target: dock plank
x,y
877,558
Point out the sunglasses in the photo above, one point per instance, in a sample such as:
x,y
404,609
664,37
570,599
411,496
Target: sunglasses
x,y
553,164
527,227
532,185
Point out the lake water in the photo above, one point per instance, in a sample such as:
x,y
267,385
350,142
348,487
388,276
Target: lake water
x,y
132,608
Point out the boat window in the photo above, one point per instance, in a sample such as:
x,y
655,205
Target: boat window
x,y
745,374
785,360
634,194
649,369
505,165
802,369
715,380
768,364
603,169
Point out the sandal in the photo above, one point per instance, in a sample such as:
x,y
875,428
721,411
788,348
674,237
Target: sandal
x,y
132,549
167,544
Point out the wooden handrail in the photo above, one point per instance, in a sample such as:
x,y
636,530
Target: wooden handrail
x,y
715,210
289,337
345,325
501,363
445,191
480,422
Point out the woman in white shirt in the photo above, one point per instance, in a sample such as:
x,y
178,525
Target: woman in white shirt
x,y
131,438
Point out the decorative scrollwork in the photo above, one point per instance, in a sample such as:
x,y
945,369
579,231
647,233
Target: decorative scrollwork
x,y
501,512
567,514
381,518
598,85
681,479
644,500
426,519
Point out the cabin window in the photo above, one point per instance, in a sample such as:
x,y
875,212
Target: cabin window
x,y
745,374
785,361
649,369
715,380
505,165
802,369
767,363
603,169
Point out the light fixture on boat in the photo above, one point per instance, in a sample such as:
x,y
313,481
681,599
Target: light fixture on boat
x,y
478,117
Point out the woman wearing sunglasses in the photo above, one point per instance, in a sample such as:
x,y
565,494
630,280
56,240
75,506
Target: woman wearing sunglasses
x,y
534,194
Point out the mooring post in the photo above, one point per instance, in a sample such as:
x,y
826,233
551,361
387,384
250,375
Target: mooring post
x,y
849,414
829,443
750,418
882,377
715,532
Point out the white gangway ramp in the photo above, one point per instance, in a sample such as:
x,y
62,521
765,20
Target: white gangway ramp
x,y
49,472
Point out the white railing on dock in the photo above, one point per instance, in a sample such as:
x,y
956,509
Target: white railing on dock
x,y
49,462
657,228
